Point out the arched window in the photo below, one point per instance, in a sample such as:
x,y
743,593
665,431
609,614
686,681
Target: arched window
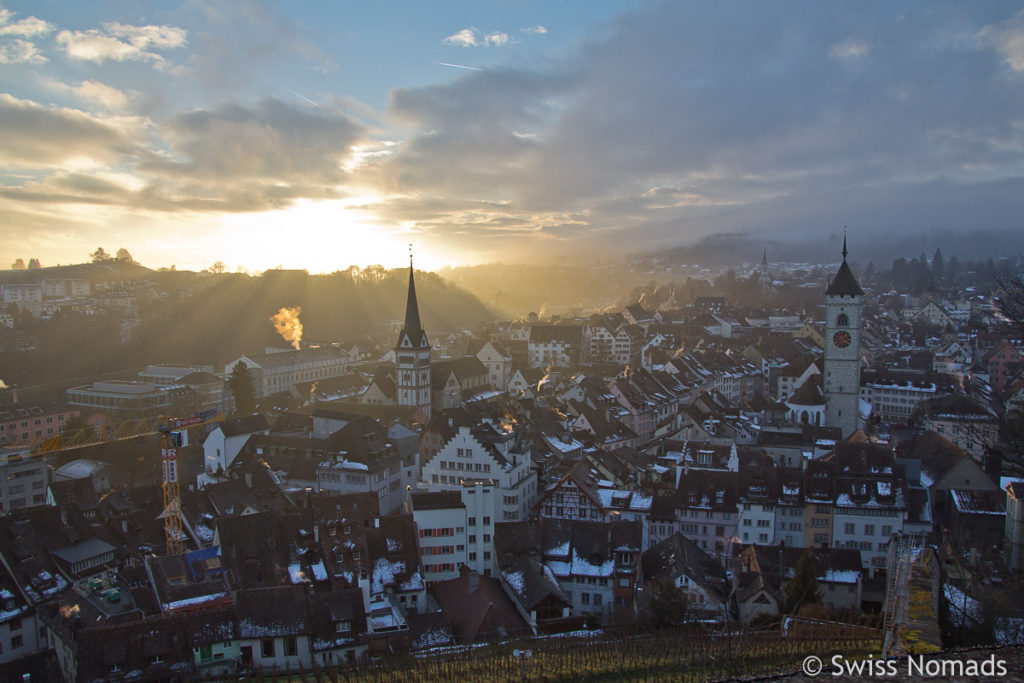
x,y
842,320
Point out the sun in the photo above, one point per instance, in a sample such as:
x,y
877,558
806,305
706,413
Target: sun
x,y
322,236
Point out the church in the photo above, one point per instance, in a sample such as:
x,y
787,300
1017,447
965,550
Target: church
x,y
416,382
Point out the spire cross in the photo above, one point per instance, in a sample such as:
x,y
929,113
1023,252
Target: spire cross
x,y
410,254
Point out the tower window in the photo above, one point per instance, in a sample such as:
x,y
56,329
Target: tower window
x,y
842,320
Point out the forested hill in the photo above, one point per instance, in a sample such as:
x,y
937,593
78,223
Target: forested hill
x,y
213,318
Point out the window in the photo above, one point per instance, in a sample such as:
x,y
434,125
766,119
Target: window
x,y
584,598
291,646
748,522
267,647
869,529
849,528
472,521
764,523
487,538
487,555
472,557
624,582
487,521
598,600
821,538
343,626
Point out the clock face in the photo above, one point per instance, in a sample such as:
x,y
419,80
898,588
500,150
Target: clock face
x,y
841,339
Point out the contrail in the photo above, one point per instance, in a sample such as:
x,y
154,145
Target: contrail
x,y
460,66
302,97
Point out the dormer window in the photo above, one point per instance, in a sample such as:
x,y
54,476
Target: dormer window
x,y
343,626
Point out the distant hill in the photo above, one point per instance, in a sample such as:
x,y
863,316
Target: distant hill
x,y
104,271
212,318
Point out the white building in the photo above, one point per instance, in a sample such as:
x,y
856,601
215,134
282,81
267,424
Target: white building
x,y
276,372
486,453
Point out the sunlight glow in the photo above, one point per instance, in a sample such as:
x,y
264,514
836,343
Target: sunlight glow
x,y
322,237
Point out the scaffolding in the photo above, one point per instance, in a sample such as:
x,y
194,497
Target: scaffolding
x,y
904,550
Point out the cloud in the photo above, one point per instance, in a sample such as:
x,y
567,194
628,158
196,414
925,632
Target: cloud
x,y
471,37
94,92
537,30
467,37
18,51
41,137
848,49
122,42
737,127
29,27
1006,38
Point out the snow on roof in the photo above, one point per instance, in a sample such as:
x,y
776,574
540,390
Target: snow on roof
x,y
384,571
296,574
841,576
516,581
319,571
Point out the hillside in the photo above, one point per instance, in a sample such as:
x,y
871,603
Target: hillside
x,y
207,318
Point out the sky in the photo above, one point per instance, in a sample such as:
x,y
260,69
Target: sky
x,y
320,135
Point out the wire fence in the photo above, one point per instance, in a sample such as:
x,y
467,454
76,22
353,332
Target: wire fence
x,y
609,657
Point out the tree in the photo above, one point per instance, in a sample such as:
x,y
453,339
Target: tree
x,y
217,267
668,603
938,266
34,264
803,588
19,264
100,255
242,388
123,256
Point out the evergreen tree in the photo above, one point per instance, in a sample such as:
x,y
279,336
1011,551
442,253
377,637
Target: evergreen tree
x,y
242,388
668,603
938,266
34,264
803,589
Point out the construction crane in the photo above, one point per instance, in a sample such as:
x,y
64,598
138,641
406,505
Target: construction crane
x,y
174,435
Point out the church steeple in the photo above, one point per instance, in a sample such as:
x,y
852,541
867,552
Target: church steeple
x,y
412,310
412,355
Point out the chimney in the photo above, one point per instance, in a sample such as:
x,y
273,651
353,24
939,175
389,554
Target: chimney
x,y
474,582
14,394
248,479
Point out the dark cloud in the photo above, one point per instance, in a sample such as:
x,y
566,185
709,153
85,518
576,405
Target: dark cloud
x,y
37,136
693,117
271,141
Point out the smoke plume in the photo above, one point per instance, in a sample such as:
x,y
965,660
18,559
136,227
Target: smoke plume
x,y
287,323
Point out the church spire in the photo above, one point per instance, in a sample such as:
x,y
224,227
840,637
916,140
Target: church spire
x,y
412,309
844,244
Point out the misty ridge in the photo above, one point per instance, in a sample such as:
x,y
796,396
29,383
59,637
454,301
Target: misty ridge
x,y
188,317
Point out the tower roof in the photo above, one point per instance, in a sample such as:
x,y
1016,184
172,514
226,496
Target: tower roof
x,y
412,328
844,283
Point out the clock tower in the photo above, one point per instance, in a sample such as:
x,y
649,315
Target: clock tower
x,y
844,304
